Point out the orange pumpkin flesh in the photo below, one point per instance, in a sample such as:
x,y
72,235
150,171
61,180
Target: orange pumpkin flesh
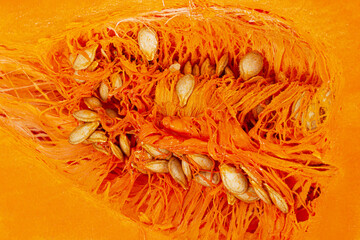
x,y
343,152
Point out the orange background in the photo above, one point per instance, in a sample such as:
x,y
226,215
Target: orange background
x,y
37,204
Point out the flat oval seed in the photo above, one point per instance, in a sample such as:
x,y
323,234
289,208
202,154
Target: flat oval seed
x,y
100,148
199,178
261,192
104,91
86,115
148,42
158,166
92,66
251,65
203,161
137,168
116,151
277,199
205,67
84,60
222,64
184,88
76,73
111,113
187,68
234,181
125,144
155,152
82,132
229,72
116,81
97,136
92,102
196,70
186,169
176,172
249,196
174,67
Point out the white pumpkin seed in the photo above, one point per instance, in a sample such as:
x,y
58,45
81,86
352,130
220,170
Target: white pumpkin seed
x,y
174,67
234,181
92,102
137,168
222,64
82,132
188,68
158,166
148,42
184,88
229,72
92,66
203,161
261,192
111,113
277,199
116,81
249,196
100,148
231,199
199,178
97,136
104,91
116,151
86,115
84,59
251,65
76,73
125,144
156,152
176,172
186,169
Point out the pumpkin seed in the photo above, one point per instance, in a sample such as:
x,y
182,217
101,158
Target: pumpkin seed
x,y
125,144
105,55
184,88
116,151
137,168
174,67
251,65
187,68
92,102
100,148
229,72
204,162
155,152
111,113
86,115
261,192
206,68
92,66
116,81
76,73
148,42
277,199
142,155
186,169
196,70
176,172
84,59
249,196
222,64
231,199
97,136
158,166
104,91
234,181
199,178
82,132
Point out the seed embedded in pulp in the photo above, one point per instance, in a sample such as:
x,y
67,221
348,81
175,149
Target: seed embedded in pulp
x,y
104,91
249,196
222,64
125,144
196,70
204,162
92,102
98,136
261,192
84,59
116,81
186,169
251,65
277,199
155,152
148,42
116,151
174,67
234,181
184,88
176,172
158,166
188,68
82,132
86,115
199,178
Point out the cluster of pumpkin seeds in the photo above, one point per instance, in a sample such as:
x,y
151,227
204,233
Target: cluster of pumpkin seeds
x,y
238,183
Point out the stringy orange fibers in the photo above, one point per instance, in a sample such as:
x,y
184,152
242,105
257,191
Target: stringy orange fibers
x,y
284,146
